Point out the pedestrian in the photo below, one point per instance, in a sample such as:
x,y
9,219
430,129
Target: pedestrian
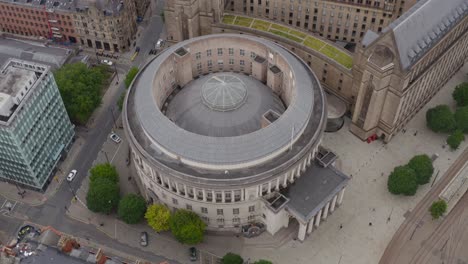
x,y
370,223
341,226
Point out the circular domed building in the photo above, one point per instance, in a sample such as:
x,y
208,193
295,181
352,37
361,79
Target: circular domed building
x,y
229,126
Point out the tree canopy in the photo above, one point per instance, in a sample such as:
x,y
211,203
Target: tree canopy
x,y
132,208
461,118
460,94
187,227
104,170
402,181
158,217
440,119
455,139
231,258
80,88
262,261
422,166
103,196
438,208
130,76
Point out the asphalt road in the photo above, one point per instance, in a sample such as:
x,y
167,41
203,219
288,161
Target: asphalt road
x,y
52,213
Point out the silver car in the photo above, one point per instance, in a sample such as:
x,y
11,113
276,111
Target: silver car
x,y
115,138
71,175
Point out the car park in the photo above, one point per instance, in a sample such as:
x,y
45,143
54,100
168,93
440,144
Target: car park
x,y
71,175
144,239
115,138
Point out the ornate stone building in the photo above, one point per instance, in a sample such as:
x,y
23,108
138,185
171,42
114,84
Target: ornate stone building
x,y
384,82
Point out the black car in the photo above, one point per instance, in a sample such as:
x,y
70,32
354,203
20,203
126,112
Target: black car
x,y
193,254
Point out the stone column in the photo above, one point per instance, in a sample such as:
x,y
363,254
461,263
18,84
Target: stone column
x,y
310,227
317,217
309,159
285,182
332,207
204,195
259,190
232,196
242,194
223,197
325,211
304,164
277,184
213,196
194,191
298,171
292,175
177,187
302,231
269,187
185,190
340,196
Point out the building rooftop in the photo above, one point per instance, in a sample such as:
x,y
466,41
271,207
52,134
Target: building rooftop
x,y
219,105
13,79
310,192
423,25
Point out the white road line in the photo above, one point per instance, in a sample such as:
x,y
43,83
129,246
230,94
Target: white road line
x,y
4,203
120,144
13,207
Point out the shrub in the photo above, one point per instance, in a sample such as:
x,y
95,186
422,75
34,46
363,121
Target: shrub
x,y
262,261
461,118
103,196
422,166
438,208
130,76
231,258
132,208
121,101
104,170
460,94
402,181
455,139
187,227
440,119
158,217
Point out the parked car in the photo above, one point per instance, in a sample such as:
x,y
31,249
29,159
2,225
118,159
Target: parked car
x,y
144,239
115,138
193,254
107,62
159,43
71,175
137,49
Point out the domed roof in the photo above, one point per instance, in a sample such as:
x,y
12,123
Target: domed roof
x,y
224,92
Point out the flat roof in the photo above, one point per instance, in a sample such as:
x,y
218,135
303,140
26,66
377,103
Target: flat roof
x,y
313,190
225,152
13,80
32,51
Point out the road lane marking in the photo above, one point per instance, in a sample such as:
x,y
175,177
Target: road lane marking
x,y
120,144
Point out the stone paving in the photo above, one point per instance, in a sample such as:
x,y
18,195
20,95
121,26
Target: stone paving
x,y
367,199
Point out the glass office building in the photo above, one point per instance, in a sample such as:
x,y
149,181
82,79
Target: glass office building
x,y
35,131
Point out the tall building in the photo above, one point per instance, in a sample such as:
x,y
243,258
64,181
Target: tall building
x,y
229,126
405,50
35,131
99,24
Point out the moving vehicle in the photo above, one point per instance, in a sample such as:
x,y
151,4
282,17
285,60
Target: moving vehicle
x,y
71,175
107,62
159,43
193,254
144,239
115,138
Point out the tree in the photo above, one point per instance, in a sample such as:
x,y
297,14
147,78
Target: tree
x,y
455,139
187,227
461,118
402,181
231,258
262,261
422,166
132,208
158,217
460,94
104,170
103,196
130,76
438,208
80,88
440,119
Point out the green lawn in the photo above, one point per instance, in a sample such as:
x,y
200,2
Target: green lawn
x,y
228,19
243,21
286,35
261,25
313,43
297,33
279,27
339,56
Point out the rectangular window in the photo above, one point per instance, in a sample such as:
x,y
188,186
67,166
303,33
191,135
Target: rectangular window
x,y
204,210
219,211
198,55
174,201
251,218
242,62
220,220
251,208
210,63
189,207
235,211
252,55
220,51
231,52
220,62
199,66
231,61
242,52
206,219
208,53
